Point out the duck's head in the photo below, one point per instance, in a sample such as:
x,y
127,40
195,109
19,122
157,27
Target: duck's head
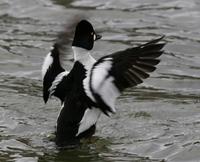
x,y
85,35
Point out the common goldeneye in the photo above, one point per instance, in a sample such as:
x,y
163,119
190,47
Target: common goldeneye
x,y
92,87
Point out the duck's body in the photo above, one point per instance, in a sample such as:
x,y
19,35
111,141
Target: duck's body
x,y
79,114
92,87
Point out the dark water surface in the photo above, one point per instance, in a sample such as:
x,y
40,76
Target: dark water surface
x,y
159,119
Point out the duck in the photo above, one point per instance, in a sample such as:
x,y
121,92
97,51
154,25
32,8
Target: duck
x,y
91,87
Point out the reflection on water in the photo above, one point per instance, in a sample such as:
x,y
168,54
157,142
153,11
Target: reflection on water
x,y
65,3
156,120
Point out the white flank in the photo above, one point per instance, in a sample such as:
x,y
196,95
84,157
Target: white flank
x,y
103,84
46,64
57,80
90,118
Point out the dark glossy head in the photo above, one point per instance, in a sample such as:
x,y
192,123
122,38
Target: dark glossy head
x,y
85,35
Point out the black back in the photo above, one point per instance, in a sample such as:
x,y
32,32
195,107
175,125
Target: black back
x,y
76,102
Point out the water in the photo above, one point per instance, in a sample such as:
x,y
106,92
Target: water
x,y
156,121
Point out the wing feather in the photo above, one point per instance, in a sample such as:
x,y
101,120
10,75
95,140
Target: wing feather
x,y
111,74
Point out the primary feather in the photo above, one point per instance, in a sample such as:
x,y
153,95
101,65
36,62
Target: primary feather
x,y
113,73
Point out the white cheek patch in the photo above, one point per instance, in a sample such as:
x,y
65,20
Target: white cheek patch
x,y
46,64
94,36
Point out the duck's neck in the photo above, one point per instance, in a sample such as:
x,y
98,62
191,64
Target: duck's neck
x,y
83,56
80,53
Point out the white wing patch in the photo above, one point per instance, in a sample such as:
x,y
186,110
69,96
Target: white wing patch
x,y
109,93
102,83
99,74
57,80
86,83
46,64
90,118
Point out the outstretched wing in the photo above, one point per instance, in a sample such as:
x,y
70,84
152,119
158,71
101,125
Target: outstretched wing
x,y
50,69
111,74
54,76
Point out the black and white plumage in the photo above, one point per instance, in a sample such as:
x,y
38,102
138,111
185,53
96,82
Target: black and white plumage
x,y
92,87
